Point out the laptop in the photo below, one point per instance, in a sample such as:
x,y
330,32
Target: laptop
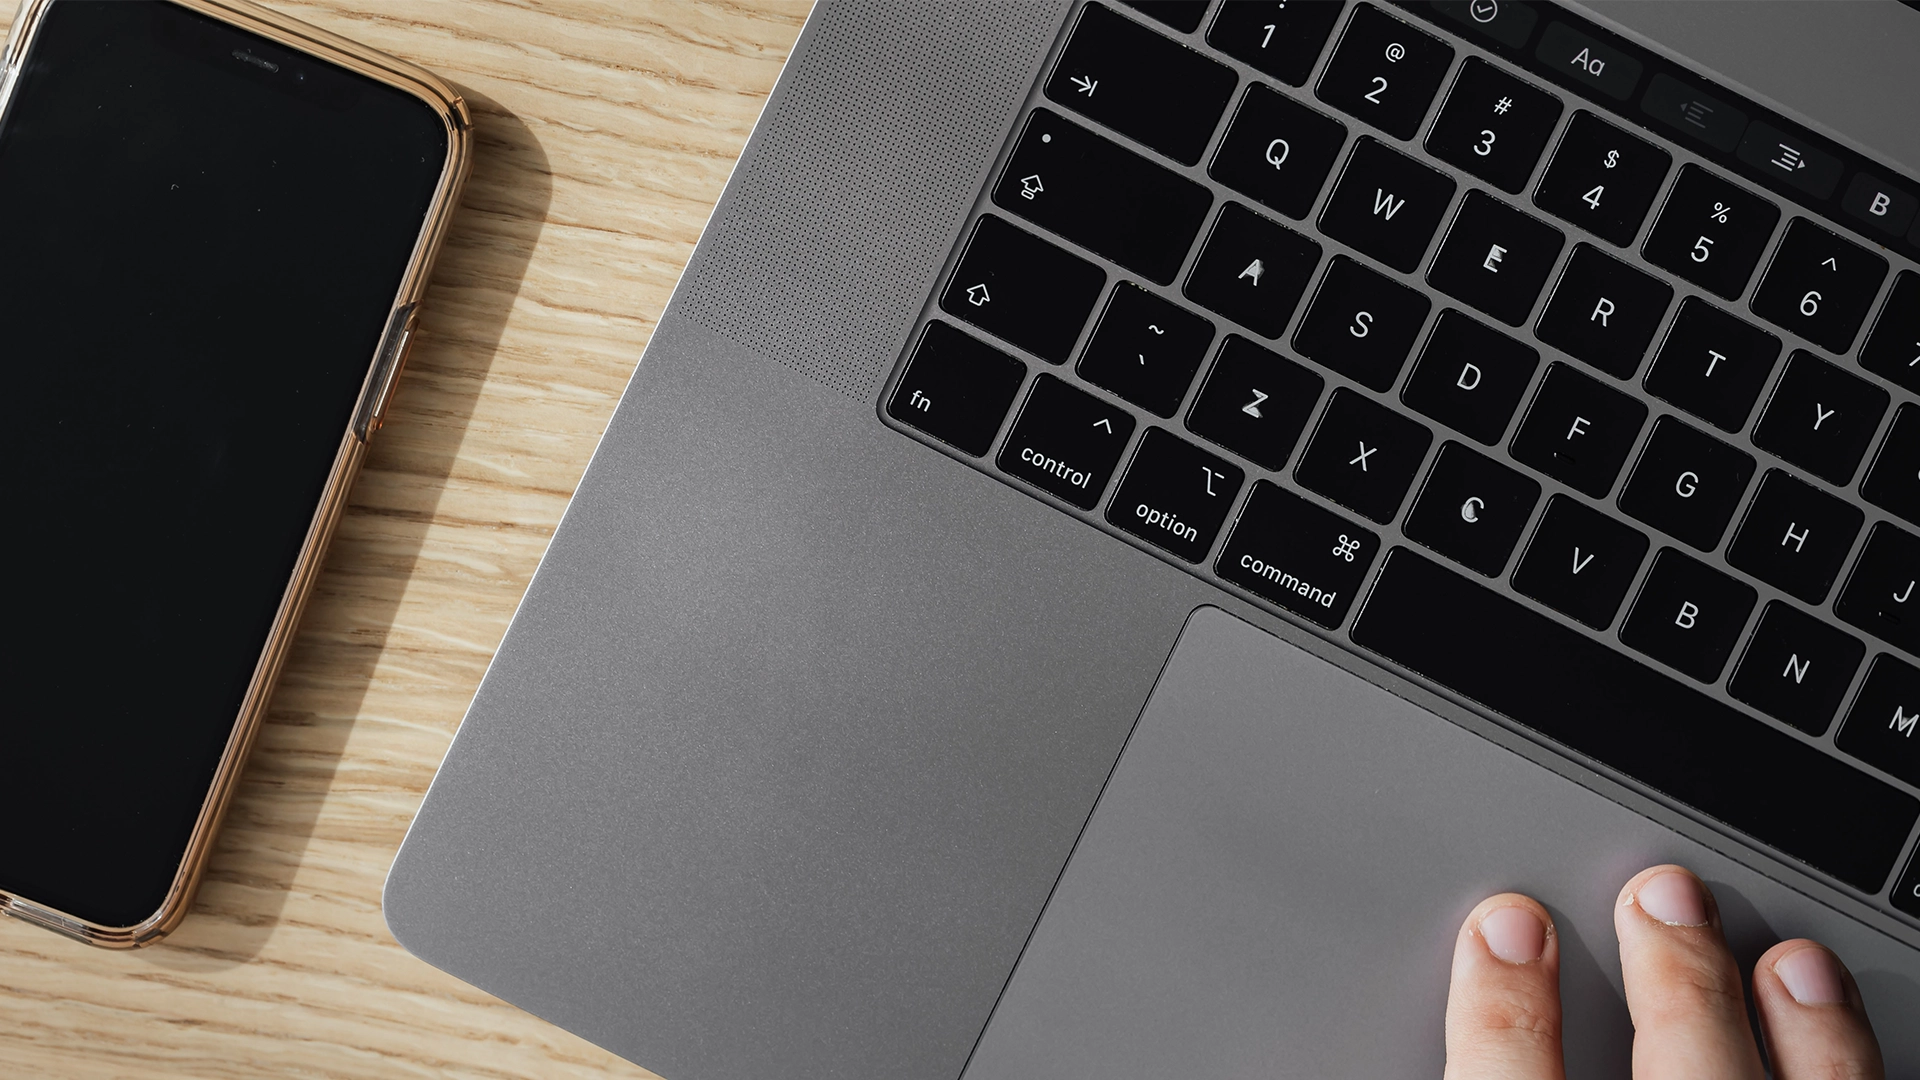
x,y
1138,515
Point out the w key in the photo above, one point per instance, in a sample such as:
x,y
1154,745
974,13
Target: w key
x,y
1141,84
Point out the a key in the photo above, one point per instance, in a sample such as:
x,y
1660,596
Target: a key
x,y
1713,365
1255,403
1111,200
1252,270
1892,350
1604,312
1602,179
1141,84
1688,615
1879,594
1175,495
1880,728
1893,480
1470,377
1624,715
1363,456
1146,349
1820,418
1686,483
1361,323
1578,430
1472,509
1711,232
1384,71
1580,562
1182,15
1495,258
1819,286
1293,554
1386,205
1886,207
1017,286
1795,536
1796,668
1277,151
1280,39
1066,442
956,389
1493,125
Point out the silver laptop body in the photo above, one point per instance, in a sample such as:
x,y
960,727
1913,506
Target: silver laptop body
x,y
914,689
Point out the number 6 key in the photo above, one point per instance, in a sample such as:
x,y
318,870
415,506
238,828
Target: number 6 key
x,y
1819,286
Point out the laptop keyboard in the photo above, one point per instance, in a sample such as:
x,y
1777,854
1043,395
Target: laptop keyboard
x,y
1521,358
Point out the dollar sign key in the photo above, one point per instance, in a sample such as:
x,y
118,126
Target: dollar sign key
x,y
1613,158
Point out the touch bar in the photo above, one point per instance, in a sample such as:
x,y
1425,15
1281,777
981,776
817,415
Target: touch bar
x,y
1627,716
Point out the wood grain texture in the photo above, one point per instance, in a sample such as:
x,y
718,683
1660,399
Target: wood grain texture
x,y
606,131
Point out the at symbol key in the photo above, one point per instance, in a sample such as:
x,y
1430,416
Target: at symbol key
x,y
1066,442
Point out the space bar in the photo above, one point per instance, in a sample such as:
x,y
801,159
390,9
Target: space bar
x,y
1627,716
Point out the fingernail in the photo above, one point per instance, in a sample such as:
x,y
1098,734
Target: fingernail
x,y
1514,934
1812,976
1674,898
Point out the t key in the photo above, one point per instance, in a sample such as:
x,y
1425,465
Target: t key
x,y
1819,286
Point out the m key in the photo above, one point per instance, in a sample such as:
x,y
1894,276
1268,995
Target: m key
x,y
1883,727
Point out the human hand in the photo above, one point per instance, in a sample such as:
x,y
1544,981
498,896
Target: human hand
x,y
1683,991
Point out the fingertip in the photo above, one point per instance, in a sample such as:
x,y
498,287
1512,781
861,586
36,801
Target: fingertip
x,y
1513,927
1809,973
1670,894
1811,1012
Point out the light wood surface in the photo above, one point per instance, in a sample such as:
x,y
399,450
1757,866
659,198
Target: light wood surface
x,y
606,131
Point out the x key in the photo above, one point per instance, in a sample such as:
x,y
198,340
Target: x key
x,y
1363,456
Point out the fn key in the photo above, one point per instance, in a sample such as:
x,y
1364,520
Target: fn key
x,y
956,389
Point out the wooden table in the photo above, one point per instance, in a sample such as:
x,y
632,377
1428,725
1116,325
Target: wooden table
x,y
605,133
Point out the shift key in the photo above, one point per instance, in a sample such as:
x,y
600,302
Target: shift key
x,y
1298,556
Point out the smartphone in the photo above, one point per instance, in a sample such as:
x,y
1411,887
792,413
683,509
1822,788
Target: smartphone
x,y
216,227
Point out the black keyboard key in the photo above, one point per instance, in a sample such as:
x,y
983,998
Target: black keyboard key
x,y
1906,891
1795,536
1141,84
1255,403
1277,151
1297,556
1602,179
1881,727
1626,716
1472,509
1686,483
1713,365
1361,323
1066,442
1495,258
1384,72
1711,232
1363,456
956,389
1111,200
1892,350
1252,270
1796,668
1819,286
1175,495
1578,430
1470,377
1493,125
1604,312
1279,38
1182,15
1017,286
1821,418
1146,349
1386,205
1688,615
1580,562
1882,205
1893,480
1879,594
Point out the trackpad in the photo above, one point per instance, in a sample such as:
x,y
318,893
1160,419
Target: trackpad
x,y
1272,880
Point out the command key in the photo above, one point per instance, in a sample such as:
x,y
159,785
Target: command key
x,y
1307,560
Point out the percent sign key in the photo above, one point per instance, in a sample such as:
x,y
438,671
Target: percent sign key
x,y
1711,232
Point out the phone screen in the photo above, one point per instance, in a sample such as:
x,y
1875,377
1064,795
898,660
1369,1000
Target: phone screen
x,y
201,238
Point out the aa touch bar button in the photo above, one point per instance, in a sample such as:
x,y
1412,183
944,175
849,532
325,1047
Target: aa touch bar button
x,y
1584,59
1300,557
1788,157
